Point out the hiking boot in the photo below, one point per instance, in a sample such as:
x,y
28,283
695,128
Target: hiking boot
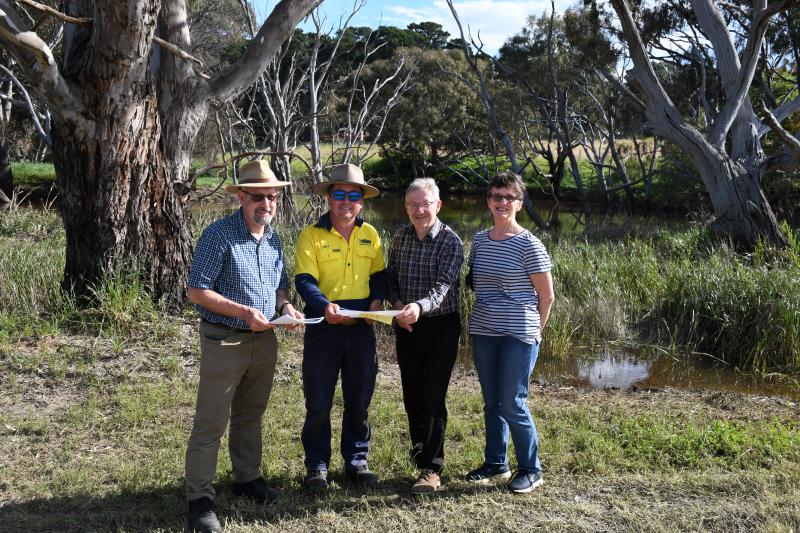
x,y
487,474
201,516
316,480
525,481
427,482
257,490
361,476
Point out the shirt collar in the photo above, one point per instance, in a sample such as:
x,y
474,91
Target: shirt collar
x,y
434,231
325,221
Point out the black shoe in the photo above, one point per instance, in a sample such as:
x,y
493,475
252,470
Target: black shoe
x,y
489,473
316,480
361,476
201,516
257,490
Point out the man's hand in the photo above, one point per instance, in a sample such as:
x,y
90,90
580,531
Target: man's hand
x,y
332,316
256,320
289,309
408,315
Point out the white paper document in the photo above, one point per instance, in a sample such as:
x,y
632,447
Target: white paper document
x,y
380,316
287,320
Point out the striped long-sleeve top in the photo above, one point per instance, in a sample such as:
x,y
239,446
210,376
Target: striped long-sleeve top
x,y
506,302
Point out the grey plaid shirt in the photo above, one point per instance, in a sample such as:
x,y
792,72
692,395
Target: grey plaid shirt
x,y
426,272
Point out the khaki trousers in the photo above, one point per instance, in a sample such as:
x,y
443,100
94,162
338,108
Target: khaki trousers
x,y
236,372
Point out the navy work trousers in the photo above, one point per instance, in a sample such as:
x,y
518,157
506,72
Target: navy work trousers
x,y
329,349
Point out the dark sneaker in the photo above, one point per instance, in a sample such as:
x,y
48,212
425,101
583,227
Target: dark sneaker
x,y
427,482
316,480
201,516
487,474
361,476
257,490
525,481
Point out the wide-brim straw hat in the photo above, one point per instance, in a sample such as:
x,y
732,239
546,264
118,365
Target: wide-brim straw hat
x,y
346,174
255,174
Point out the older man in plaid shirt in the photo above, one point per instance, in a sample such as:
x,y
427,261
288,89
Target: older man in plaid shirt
x,y
424,272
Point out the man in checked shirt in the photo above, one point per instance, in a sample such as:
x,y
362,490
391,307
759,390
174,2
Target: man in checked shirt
x,y
424,271
238,283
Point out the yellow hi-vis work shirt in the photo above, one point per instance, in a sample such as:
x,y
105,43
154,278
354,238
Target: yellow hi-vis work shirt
x,y
341,268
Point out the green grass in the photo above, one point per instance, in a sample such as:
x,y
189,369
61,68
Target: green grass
x,y
97,405
30,174
110,457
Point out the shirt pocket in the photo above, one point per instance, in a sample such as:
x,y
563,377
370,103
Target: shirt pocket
x,y
364,255
330,263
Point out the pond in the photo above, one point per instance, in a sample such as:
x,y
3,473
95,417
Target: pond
x,y
624,368
608,366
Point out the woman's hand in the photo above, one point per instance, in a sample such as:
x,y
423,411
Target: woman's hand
x,y
543,284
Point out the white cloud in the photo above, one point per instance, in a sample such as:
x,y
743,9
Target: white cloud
x,y
493,20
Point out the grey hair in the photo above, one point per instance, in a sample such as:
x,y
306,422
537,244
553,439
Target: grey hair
x,y
424,184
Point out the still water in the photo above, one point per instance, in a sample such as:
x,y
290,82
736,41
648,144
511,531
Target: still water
x,y
609,366
648,368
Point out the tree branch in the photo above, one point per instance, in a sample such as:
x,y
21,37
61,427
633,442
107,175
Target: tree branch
x,y
790,159
78,21
182,54
781,113
44,135
275,30
38,64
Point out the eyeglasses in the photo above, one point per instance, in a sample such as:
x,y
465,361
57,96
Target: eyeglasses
x,y
340,195
502,198
422,205
260,197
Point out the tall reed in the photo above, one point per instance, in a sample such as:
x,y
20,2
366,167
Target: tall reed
x,y
675,285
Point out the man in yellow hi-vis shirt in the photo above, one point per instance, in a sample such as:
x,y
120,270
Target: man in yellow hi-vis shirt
x,y
339,263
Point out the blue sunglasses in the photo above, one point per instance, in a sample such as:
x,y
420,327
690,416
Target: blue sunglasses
x,y
340,195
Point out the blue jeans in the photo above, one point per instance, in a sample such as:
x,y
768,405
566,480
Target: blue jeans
x,y
504,366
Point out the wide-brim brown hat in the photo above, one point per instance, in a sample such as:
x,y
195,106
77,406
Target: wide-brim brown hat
x,y
254,174
346,174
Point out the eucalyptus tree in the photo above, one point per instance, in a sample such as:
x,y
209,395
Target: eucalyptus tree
x,y
437,122
127,102
726,149
365,103
481,88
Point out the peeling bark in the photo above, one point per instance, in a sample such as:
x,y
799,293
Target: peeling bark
x,y
126,113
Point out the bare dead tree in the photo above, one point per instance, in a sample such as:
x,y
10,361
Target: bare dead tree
x,y
368,105
482,90
318,78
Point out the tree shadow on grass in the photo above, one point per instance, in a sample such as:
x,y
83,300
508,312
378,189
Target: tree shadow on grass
x,y
164,508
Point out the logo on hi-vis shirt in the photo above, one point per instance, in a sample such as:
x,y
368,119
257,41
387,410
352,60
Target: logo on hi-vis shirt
x,y
326,247
365,242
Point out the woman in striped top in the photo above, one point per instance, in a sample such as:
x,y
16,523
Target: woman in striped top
x,y
509,269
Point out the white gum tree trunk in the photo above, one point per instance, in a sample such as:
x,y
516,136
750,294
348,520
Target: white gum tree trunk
x,y
729,156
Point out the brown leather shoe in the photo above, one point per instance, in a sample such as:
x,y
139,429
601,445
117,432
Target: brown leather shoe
x,y
427,482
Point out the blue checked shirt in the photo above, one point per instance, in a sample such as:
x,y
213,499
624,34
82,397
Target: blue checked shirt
x,y
230,261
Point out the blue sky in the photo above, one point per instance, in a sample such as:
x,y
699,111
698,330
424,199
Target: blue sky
x,y
494,20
